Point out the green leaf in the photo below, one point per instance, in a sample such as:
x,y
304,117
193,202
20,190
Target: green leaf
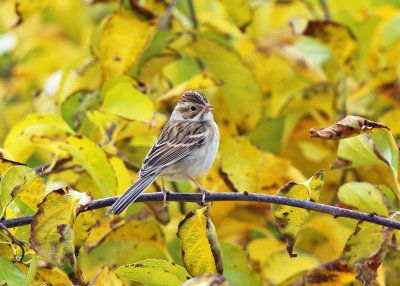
x,y
201,252
364,197
10,274
15,180
123,99
154,272
290,219
236,266
32,270
239,88
366,249
94,161
74,107
52,235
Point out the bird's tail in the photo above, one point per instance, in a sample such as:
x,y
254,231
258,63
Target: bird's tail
x,y
131,195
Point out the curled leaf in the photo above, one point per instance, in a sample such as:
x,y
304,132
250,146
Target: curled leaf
x,y
366,248
200,249
52,234
349,126
290,219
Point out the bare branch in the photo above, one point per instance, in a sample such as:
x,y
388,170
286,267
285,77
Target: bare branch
x,y
245,197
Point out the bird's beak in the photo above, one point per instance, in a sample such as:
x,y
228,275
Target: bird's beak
x,y
208,108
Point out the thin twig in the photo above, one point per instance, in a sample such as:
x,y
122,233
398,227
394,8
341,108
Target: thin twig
x,y
16,241
164,20
245,197
324,6
193,14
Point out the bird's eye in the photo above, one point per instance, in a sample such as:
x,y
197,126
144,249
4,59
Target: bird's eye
x,y
193,108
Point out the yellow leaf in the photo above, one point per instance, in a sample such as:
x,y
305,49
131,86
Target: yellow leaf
x,y
82,226
243,176
201,252
154,272
290,219
52,235
125,38
147,230
94,161
106,277
238,86
124,100
26,8
121,173
280,260
239,11
19,140
338,38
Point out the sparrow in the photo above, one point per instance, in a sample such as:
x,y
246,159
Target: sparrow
x,y
185,149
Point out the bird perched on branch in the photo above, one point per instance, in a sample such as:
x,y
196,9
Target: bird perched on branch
x,y
185,149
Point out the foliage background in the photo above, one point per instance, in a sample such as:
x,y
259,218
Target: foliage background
x,y
112,72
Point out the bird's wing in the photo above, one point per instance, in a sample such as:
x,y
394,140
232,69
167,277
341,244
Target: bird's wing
x,y
177,140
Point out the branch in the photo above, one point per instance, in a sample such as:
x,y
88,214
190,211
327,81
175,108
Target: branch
x,y
244,197
326,10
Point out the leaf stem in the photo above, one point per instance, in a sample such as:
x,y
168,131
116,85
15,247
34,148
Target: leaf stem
x,y
244,197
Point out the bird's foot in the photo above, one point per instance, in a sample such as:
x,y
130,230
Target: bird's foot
x,y
165,192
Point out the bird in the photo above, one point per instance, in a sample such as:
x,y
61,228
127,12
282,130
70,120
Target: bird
x,y
185,149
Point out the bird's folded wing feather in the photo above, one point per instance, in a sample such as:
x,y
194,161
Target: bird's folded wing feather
x,y
176,141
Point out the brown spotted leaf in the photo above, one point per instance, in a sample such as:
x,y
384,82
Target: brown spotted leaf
x,y
52,234
335,272
338,38
200,249
366,248
349,126
154,272
290,219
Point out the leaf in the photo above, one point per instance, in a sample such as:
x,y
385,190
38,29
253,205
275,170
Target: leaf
x,y
32,270
147,230
239,149
338,38
154,272
52,235
106,277
347,127
123,99
290,219
10,274
200,249
239,11
74,107
33,194
208,280
121,46
82,226
26,8
236,266
94,161
237,80
364,197
332,273
277,261
366,248
19,139
15,180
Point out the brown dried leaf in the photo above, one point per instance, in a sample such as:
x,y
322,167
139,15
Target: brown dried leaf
x,y
349,126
